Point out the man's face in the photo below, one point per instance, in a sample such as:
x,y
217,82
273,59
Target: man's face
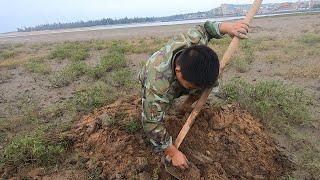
x,y
182,81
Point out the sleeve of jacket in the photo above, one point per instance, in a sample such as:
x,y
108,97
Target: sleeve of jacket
x,y
212,28
154,107
202,34
155,101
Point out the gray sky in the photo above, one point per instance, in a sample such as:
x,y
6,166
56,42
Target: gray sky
x,y
19,13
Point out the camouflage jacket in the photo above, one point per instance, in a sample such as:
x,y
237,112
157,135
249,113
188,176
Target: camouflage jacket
x,y
160,86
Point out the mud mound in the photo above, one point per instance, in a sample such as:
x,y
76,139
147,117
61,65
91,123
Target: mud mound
x,y
224,143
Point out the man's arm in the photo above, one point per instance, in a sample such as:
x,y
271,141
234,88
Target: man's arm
x,y
202,34
154,107
153,119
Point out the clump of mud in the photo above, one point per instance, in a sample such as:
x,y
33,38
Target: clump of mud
x,y
224,143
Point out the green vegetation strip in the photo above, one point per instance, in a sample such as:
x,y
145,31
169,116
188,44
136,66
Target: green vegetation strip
x,y
278,105
37,65
68,74
284,110
109,62
93,96
6,54
37,148
310,39
112,69
74,51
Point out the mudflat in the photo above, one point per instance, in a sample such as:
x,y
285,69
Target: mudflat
x,y
288,25
70,105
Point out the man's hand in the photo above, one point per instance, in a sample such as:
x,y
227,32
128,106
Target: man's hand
x,y
178,159
238,29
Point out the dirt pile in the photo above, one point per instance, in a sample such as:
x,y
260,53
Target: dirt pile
x,y
224,143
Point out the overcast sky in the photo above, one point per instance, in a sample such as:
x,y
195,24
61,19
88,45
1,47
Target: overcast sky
x,y
20,13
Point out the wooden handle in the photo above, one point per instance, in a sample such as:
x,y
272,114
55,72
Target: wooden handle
x,y
225,59
235,41
183,132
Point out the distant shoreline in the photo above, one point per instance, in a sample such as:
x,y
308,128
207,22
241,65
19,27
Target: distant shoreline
x,y
119,26
122,33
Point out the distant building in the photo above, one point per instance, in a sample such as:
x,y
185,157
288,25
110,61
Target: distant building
x,y
311,3
217,11
225,10
238,10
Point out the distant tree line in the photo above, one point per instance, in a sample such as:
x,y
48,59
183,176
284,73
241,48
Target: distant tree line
x,y
109,21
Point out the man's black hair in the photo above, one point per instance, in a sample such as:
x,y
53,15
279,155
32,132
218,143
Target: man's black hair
x,y
199,65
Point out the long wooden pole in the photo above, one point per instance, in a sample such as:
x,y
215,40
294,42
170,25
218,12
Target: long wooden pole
x,y
225,59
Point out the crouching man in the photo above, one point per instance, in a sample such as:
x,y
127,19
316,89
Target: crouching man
x,y
184,66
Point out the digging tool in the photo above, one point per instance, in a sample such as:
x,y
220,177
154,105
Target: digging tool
x,y
193,171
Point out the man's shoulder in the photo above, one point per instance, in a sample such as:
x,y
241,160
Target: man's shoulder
x,y
158,78
158,71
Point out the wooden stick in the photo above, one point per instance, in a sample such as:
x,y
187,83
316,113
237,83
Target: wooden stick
x,y
225,59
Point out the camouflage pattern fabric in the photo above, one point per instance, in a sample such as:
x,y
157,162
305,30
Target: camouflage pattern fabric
x,y
160,86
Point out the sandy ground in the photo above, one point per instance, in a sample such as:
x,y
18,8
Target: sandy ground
x,y
287,25
241,149
21,88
